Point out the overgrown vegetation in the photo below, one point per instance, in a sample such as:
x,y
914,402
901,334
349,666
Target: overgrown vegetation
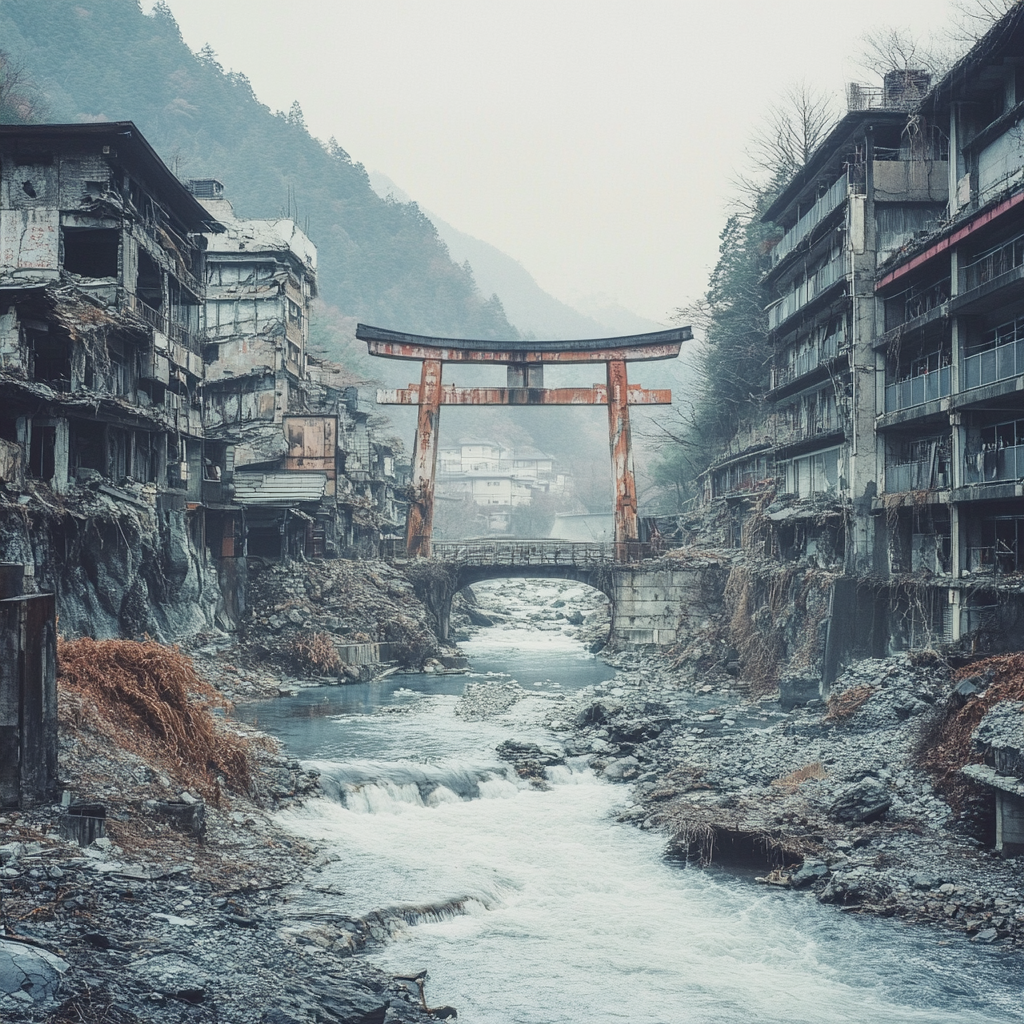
x,y
148,699
945,744
316,654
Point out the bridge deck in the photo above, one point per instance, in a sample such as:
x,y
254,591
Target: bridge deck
x,y
540,553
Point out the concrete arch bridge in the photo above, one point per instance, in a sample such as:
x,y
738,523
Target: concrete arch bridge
x,y
648,598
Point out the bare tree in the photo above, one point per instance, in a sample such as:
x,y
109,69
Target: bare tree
x,y
892,48
791,130
973,18
18,101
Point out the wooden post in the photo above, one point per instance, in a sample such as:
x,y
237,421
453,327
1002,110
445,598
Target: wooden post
x,y
421,508
622,459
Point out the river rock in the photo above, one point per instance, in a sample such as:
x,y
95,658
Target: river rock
x,y
808,872
172,975
863,801
598,712
28,976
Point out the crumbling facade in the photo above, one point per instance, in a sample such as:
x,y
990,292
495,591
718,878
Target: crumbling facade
x,y
160,412
101,292
895,311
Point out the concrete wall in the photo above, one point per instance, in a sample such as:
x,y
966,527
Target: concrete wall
x,y
28,701
650,604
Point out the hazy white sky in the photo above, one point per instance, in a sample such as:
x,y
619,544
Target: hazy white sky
x,y
594,140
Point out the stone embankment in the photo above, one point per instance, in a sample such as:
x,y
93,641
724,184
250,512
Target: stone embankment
x,y
827,799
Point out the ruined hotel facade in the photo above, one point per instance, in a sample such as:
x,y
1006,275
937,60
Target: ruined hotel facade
x,y
158,401
892,451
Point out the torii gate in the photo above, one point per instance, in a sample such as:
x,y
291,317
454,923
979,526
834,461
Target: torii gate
x,y
525,361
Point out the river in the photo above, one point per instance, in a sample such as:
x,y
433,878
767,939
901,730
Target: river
x,y
569,916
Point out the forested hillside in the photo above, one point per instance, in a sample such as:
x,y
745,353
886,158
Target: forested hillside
x,y
381,262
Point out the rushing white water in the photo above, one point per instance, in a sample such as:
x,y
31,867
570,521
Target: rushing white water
x,y
571,916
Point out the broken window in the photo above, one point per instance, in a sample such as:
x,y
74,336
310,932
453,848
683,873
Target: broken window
x,y
149,284
41,452
51,357
87,443
91,252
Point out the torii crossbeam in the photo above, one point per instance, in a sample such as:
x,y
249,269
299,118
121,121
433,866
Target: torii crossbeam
x,y
525,362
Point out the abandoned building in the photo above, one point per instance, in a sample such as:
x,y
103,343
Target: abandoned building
x,y
288,432
893,446
156,384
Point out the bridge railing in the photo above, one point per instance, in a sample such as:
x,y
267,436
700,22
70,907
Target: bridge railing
x,y
541,553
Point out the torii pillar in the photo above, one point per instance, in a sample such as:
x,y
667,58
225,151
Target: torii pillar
x,y
525,365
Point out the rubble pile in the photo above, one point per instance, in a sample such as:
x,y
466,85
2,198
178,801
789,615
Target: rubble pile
x,y
345,602
827,798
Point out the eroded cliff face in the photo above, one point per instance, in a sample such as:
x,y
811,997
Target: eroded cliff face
x,y
121,566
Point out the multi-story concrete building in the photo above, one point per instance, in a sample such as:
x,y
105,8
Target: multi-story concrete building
x,y
894,438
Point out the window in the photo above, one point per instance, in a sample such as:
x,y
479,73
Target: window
x,y
91,252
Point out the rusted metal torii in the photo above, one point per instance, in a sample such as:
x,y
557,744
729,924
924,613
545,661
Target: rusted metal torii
x,y
525,362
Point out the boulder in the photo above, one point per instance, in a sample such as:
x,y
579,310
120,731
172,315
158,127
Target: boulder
x,y
28,976
863,801
808,872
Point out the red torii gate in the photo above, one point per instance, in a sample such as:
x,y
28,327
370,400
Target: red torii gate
x,y
525,362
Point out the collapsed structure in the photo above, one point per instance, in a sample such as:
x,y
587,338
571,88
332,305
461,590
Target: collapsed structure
x,y
893,448
161,416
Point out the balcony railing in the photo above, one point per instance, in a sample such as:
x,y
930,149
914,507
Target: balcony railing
x,y
814,216
994,465
914,476
993,264
808,289
997,363
996,560
808,359
179,333
790,433
925,387
914,303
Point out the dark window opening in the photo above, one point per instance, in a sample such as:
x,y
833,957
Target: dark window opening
x,y
41,455
264,541
91,252
88,446
149,286
51,359
8,429
117,453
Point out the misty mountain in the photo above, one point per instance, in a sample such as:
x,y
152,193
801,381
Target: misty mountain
x,y
534,311
380,261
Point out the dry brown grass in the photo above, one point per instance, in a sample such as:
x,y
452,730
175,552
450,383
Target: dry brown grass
x,y
945,747
846,704
316,653
792,782
148,699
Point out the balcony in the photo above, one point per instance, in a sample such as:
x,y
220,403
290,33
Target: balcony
x,y
994,364
808,359
915,476
817,426
830,201
925,387
992,265
994,465
808,290
914,303
176,332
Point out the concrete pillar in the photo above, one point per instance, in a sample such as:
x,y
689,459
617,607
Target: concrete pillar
x,y
28,697
424,462
626,525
